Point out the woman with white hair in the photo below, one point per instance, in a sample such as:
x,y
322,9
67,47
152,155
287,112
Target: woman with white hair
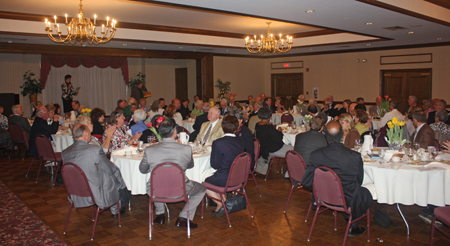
x,y
139,116
198,110
85,120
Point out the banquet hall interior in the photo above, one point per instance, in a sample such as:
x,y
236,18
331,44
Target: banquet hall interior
x,y
345,48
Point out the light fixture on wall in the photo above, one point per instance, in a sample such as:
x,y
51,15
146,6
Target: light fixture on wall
x,y
268,44
81,29
361,60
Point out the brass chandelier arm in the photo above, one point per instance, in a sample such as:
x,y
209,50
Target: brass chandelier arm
x,y
268,44
81,29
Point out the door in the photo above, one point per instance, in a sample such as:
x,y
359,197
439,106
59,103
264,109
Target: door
x,y
181,83
400,84
288,86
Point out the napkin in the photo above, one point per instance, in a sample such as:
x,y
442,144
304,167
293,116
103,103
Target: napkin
x,y
121,151
283,125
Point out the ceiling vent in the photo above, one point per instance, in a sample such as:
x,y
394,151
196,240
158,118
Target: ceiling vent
x,y
395,28
343,46
206,49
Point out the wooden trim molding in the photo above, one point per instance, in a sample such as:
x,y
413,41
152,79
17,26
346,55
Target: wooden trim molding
x,y
404,11
406,59
442,3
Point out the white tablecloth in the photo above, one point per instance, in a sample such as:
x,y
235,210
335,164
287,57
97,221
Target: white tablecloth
x,y
276,119
62,140
289,137
188,125
376,124
136,182
408,184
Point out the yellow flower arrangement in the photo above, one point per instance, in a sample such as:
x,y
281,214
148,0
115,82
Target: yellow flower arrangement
x,y
395,132
86,111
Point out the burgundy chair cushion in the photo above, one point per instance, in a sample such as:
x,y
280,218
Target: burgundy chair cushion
x,y
443,214
58,156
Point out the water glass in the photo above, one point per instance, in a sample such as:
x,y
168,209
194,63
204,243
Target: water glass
x,y
357,144
409,152
416,146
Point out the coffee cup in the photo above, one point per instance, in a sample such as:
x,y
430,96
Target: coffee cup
x,y
128,153
396,159
184,138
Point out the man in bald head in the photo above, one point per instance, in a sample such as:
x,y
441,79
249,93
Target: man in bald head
x,y
348,165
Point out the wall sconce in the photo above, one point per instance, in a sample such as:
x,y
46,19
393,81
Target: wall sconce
x,y
361,60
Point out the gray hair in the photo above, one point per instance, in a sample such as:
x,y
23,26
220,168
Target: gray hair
x,y
131,100
82,119
442,115
39,111
234,111
206,107
214,109
443,103
198,102
258,105
414,98
15,108
301,97
312,101
223,100
427,103
79,130
139,115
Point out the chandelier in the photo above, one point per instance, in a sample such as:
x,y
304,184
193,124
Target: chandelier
x,y
81,29
268,44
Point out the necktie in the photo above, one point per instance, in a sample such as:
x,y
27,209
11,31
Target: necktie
x,y
205,138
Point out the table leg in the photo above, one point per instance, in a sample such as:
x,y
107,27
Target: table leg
x,y
404,220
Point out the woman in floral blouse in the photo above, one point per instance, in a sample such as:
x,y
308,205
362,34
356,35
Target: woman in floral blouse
x,y
439,125
122,135
3,120
67,94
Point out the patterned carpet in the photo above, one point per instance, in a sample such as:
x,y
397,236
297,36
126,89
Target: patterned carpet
x,y
19,225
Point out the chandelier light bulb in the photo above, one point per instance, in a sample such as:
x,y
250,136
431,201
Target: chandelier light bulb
x,y
269,44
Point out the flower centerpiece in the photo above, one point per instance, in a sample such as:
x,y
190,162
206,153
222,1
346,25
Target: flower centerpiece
x,y
86,112
224,88
31,86
384,107
394,134
227,96
153,127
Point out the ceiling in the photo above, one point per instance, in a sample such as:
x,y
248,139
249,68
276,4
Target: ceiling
x,y
220,27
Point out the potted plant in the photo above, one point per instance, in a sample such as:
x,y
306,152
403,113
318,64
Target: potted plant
x,y
31,86
138,78
224,88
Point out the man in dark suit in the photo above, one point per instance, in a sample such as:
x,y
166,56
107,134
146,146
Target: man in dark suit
x,y
268,103
244,133
348,165
330,107
438,104
307,142
423,134
199,120
312,110
40,126
223,106
19,120
168,150
103,176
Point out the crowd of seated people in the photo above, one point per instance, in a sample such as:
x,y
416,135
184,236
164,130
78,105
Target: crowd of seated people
x,y
230,130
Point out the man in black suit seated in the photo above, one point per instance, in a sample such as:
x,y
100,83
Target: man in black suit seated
x,y
268,103
223,106
312,110
360,104
348,165
439,105
199,120
19,120
244,133
330,107
307,142
40,126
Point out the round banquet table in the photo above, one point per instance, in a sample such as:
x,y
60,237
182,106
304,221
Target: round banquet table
x,y
62,140
276,119
409,184
189,125
136,181
289,137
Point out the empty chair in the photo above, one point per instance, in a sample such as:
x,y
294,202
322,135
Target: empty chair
x,y
442,214
328,192
77,184
167,185
272,160
296,167
236,182
287,118
46,155
252,174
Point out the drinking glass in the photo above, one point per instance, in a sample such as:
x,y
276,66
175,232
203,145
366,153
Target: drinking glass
x,y
416,146
382,153
409,152
357,144
434,152
294,126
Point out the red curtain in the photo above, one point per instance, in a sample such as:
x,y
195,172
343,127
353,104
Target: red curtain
x,y
47,61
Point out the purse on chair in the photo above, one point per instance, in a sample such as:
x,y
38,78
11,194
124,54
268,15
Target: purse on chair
x,y
235,203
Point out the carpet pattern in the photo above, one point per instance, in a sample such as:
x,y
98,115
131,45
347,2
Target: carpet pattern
x,y
19,225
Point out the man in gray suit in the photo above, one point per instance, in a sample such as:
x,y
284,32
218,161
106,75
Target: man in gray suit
x,y
103,176
168,150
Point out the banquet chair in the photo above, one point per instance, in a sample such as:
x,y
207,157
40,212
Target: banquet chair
x,y
287,118
77,184
46,155
236,183
328,192
167,185
252,172
18,136
272,160
442,214
296,167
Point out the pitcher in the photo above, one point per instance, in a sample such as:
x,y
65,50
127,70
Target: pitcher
x,y
73,117
184,138
368,143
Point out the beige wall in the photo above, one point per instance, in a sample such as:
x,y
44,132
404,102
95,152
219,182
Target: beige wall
x,y
245,74
340,75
